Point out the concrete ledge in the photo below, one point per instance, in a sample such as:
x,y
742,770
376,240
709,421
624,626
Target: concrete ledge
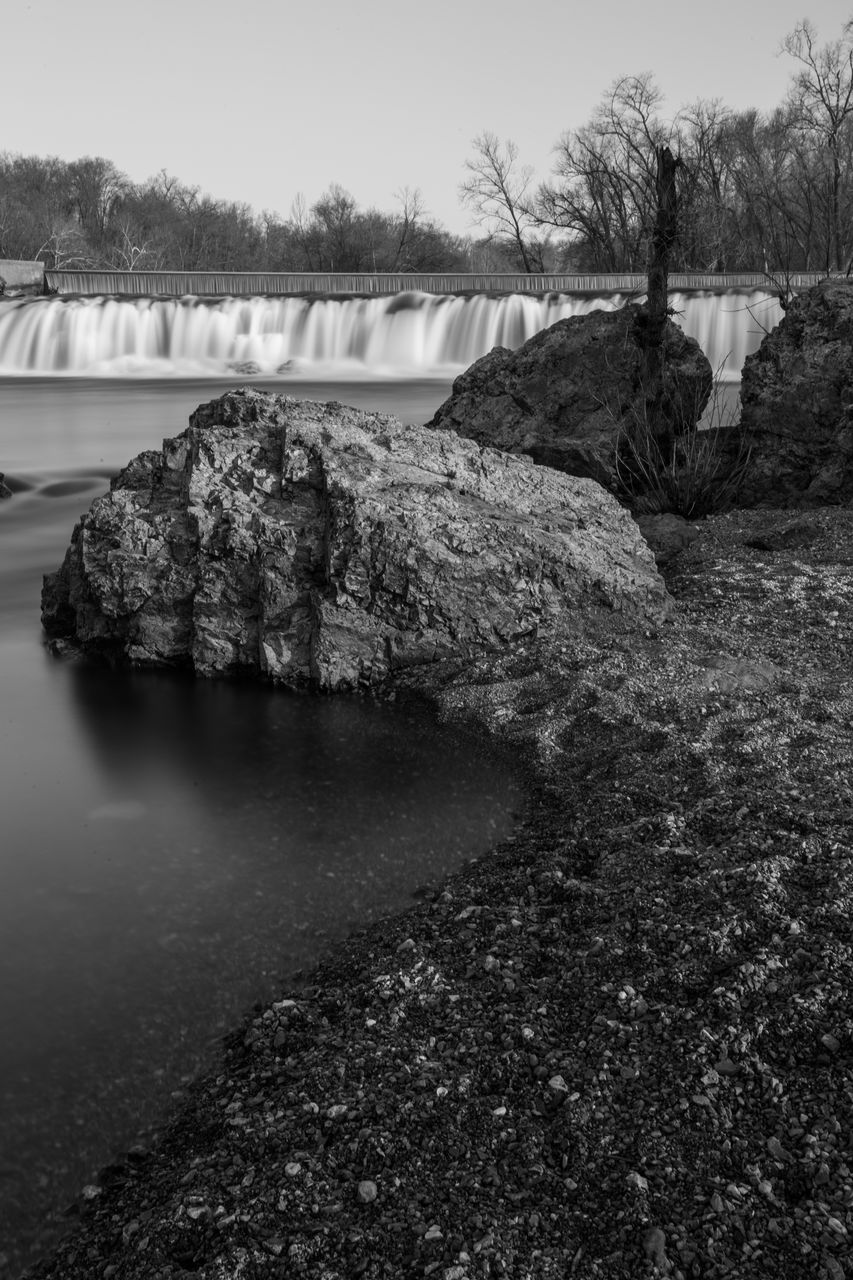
x,y
16,274
261,283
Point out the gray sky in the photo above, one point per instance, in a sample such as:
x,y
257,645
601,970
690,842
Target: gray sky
x,y
258,100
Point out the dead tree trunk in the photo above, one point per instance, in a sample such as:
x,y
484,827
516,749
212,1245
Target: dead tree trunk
x,y
650,333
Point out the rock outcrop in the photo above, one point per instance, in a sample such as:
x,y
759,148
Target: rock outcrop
x,y
316,544
797,403
563,396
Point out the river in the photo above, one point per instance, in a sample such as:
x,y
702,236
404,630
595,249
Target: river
x,y
174,850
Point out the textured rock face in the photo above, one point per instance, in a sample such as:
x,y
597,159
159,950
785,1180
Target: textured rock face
x,y
797,403
313,543
563,395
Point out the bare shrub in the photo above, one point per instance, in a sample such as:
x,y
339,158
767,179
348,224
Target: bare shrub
x,y
693,472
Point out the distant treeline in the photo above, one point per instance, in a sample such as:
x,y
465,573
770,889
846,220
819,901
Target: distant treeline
x,y
88,214
758,192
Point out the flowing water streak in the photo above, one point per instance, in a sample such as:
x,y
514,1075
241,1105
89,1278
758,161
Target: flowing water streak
x,y
406,334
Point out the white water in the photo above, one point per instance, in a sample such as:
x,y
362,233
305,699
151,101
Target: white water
x,y
404,335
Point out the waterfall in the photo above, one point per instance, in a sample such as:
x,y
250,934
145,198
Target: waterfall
x,y
401,335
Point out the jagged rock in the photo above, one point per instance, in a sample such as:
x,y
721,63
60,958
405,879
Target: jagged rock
x,y
313,543
797,403
563,396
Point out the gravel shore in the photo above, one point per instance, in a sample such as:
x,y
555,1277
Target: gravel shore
x,y
619,1045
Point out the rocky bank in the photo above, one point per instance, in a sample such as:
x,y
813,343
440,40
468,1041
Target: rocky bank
x,y
619,1045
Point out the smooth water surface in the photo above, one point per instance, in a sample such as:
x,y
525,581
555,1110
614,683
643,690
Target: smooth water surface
x,y
173,850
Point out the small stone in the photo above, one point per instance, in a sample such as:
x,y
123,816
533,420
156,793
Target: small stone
x,y
367,1191
335,1112
90,1192
558,1084
407,945
293,1168
654,1246
833,1268
433,1233
637,1181
455,1273
777,1151
831,1043
727,1068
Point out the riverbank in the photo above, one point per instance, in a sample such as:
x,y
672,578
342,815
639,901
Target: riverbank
x,y
619,1045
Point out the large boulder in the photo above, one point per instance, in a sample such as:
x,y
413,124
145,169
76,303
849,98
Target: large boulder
x,y
316,544
563,397
797,403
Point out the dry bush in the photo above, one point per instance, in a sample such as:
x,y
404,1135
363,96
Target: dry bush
x,y
696,469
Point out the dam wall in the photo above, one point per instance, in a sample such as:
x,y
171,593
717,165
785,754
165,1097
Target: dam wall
x,y
207,284
17,276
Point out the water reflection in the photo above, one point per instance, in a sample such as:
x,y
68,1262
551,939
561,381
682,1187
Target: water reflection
x,y
172,849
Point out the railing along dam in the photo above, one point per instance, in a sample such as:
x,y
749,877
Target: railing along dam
x,y
176,284
212,324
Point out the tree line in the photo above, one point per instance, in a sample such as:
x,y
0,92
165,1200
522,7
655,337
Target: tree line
x,y
756,191
88,214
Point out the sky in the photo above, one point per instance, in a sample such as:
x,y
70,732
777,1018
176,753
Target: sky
x,y
261,100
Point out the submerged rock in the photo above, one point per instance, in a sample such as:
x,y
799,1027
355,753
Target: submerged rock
x,y
317,544
797,403
563,397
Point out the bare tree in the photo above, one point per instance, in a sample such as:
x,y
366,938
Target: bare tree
x,y
605,193
498,191
821,99
408,221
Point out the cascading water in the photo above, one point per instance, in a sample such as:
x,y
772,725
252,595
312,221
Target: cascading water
x,y
404,335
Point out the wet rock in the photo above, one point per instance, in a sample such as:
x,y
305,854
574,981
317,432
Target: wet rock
x,y
797,403
316,544
563,396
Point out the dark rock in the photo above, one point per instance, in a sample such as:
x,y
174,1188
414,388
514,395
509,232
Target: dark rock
x,y
312,543
794,536
563,396
797,403
667,535
5,491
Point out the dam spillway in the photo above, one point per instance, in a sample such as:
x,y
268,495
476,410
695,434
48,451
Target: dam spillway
x,y
404,334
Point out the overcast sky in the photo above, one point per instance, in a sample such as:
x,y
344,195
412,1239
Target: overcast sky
x,y
258,100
